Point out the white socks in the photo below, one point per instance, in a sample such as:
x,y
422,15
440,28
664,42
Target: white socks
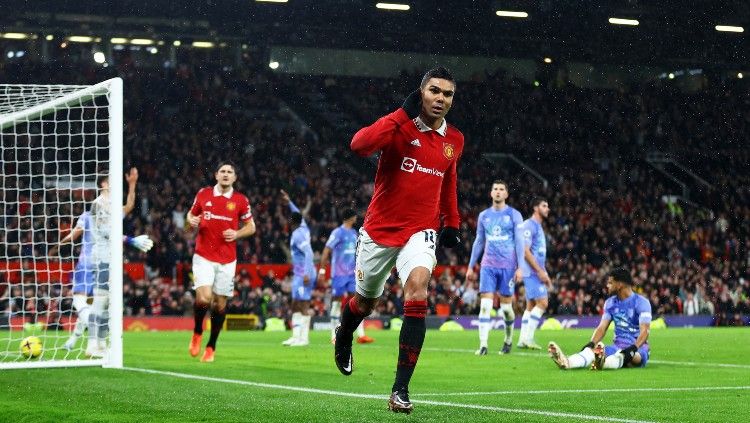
x,y
485,306
581,359
296,325
510,318
534,318
361,329
614,361
524,327
304,331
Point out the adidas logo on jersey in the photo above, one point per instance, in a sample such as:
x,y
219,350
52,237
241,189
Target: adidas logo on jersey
x,y
208,204
416,143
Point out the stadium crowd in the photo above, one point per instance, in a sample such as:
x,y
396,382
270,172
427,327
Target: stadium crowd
x,y
608,206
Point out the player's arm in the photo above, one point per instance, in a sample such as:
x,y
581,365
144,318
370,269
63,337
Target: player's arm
x,y
450,236
476,250
599,332
193,217
248,229
324,260
375,137
519,245
132,179
73,236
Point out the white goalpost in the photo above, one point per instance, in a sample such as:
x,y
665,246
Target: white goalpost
x,y
56,141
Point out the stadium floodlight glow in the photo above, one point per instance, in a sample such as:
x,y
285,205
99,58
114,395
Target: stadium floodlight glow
x,y
203,44
511,14
393,6
670,76
740,75
49,37
273,65
80,39
177,43
118,40
99,57
15,36
547,60
141,41
729,28
153,50
620,21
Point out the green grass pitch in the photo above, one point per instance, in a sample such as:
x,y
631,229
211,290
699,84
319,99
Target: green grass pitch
x,y
695,375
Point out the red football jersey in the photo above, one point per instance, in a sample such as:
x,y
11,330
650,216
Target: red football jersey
x,y
415,185
218,212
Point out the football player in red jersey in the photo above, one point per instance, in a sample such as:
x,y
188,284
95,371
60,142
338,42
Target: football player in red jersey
x,y
217,212
414,197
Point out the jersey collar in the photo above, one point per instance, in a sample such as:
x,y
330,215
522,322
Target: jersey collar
x,y
422,127
227,194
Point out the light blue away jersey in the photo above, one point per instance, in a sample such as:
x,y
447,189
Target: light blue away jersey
x,y
496,238
302,253
532,236
343,245
85,256
627,315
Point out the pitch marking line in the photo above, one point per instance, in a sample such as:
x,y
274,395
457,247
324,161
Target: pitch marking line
x,y
581,391
384,398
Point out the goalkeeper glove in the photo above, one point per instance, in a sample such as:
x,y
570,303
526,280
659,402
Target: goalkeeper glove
x,y
413,104
449,237
140,242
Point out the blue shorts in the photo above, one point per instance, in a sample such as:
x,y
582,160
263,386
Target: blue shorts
x,y
534,287
300,292
83,280
496,280
342,285
643,351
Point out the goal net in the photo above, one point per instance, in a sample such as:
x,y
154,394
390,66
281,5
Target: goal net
x,y
57,142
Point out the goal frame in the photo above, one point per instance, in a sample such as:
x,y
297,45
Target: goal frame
x,y
114,89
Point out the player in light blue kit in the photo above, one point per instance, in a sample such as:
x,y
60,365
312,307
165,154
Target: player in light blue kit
x,y
304,277
496,243
632,316
342,247
535,277
83,275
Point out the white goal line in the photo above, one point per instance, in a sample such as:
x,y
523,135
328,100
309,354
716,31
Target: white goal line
x,y
578,416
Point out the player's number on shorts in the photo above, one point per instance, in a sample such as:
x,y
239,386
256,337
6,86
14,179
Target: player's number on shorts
x,y
429,236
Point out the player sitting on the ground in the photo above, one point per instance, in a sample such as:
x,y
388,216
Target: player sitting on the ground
x,y
342,246
631,313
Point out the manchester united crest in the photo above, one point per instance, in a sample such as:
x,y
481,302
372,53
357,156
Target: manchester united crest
x,y
448,151
231,206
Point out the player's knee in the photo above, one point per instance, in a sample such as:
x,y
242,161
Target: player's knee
x,y
365,305
416,285
541,303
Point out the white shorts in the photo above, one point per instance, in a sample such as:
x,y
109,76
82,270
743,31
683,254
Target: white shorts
x,y
374,261
210,273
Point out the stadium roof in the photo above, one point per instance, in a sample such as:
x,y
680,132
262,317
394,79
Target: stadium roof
x,y
667,32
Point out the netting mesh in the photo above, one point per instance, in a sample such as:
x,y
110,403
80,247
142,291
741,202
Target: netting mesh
x,y
50,162
14,98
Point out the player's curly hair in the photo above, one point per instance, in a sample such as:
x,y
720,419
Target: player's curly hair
x,y
439,72
621,274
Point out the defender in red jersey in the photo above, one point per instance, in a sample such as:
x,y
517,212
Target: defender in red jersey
x,y
415,194
216,212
